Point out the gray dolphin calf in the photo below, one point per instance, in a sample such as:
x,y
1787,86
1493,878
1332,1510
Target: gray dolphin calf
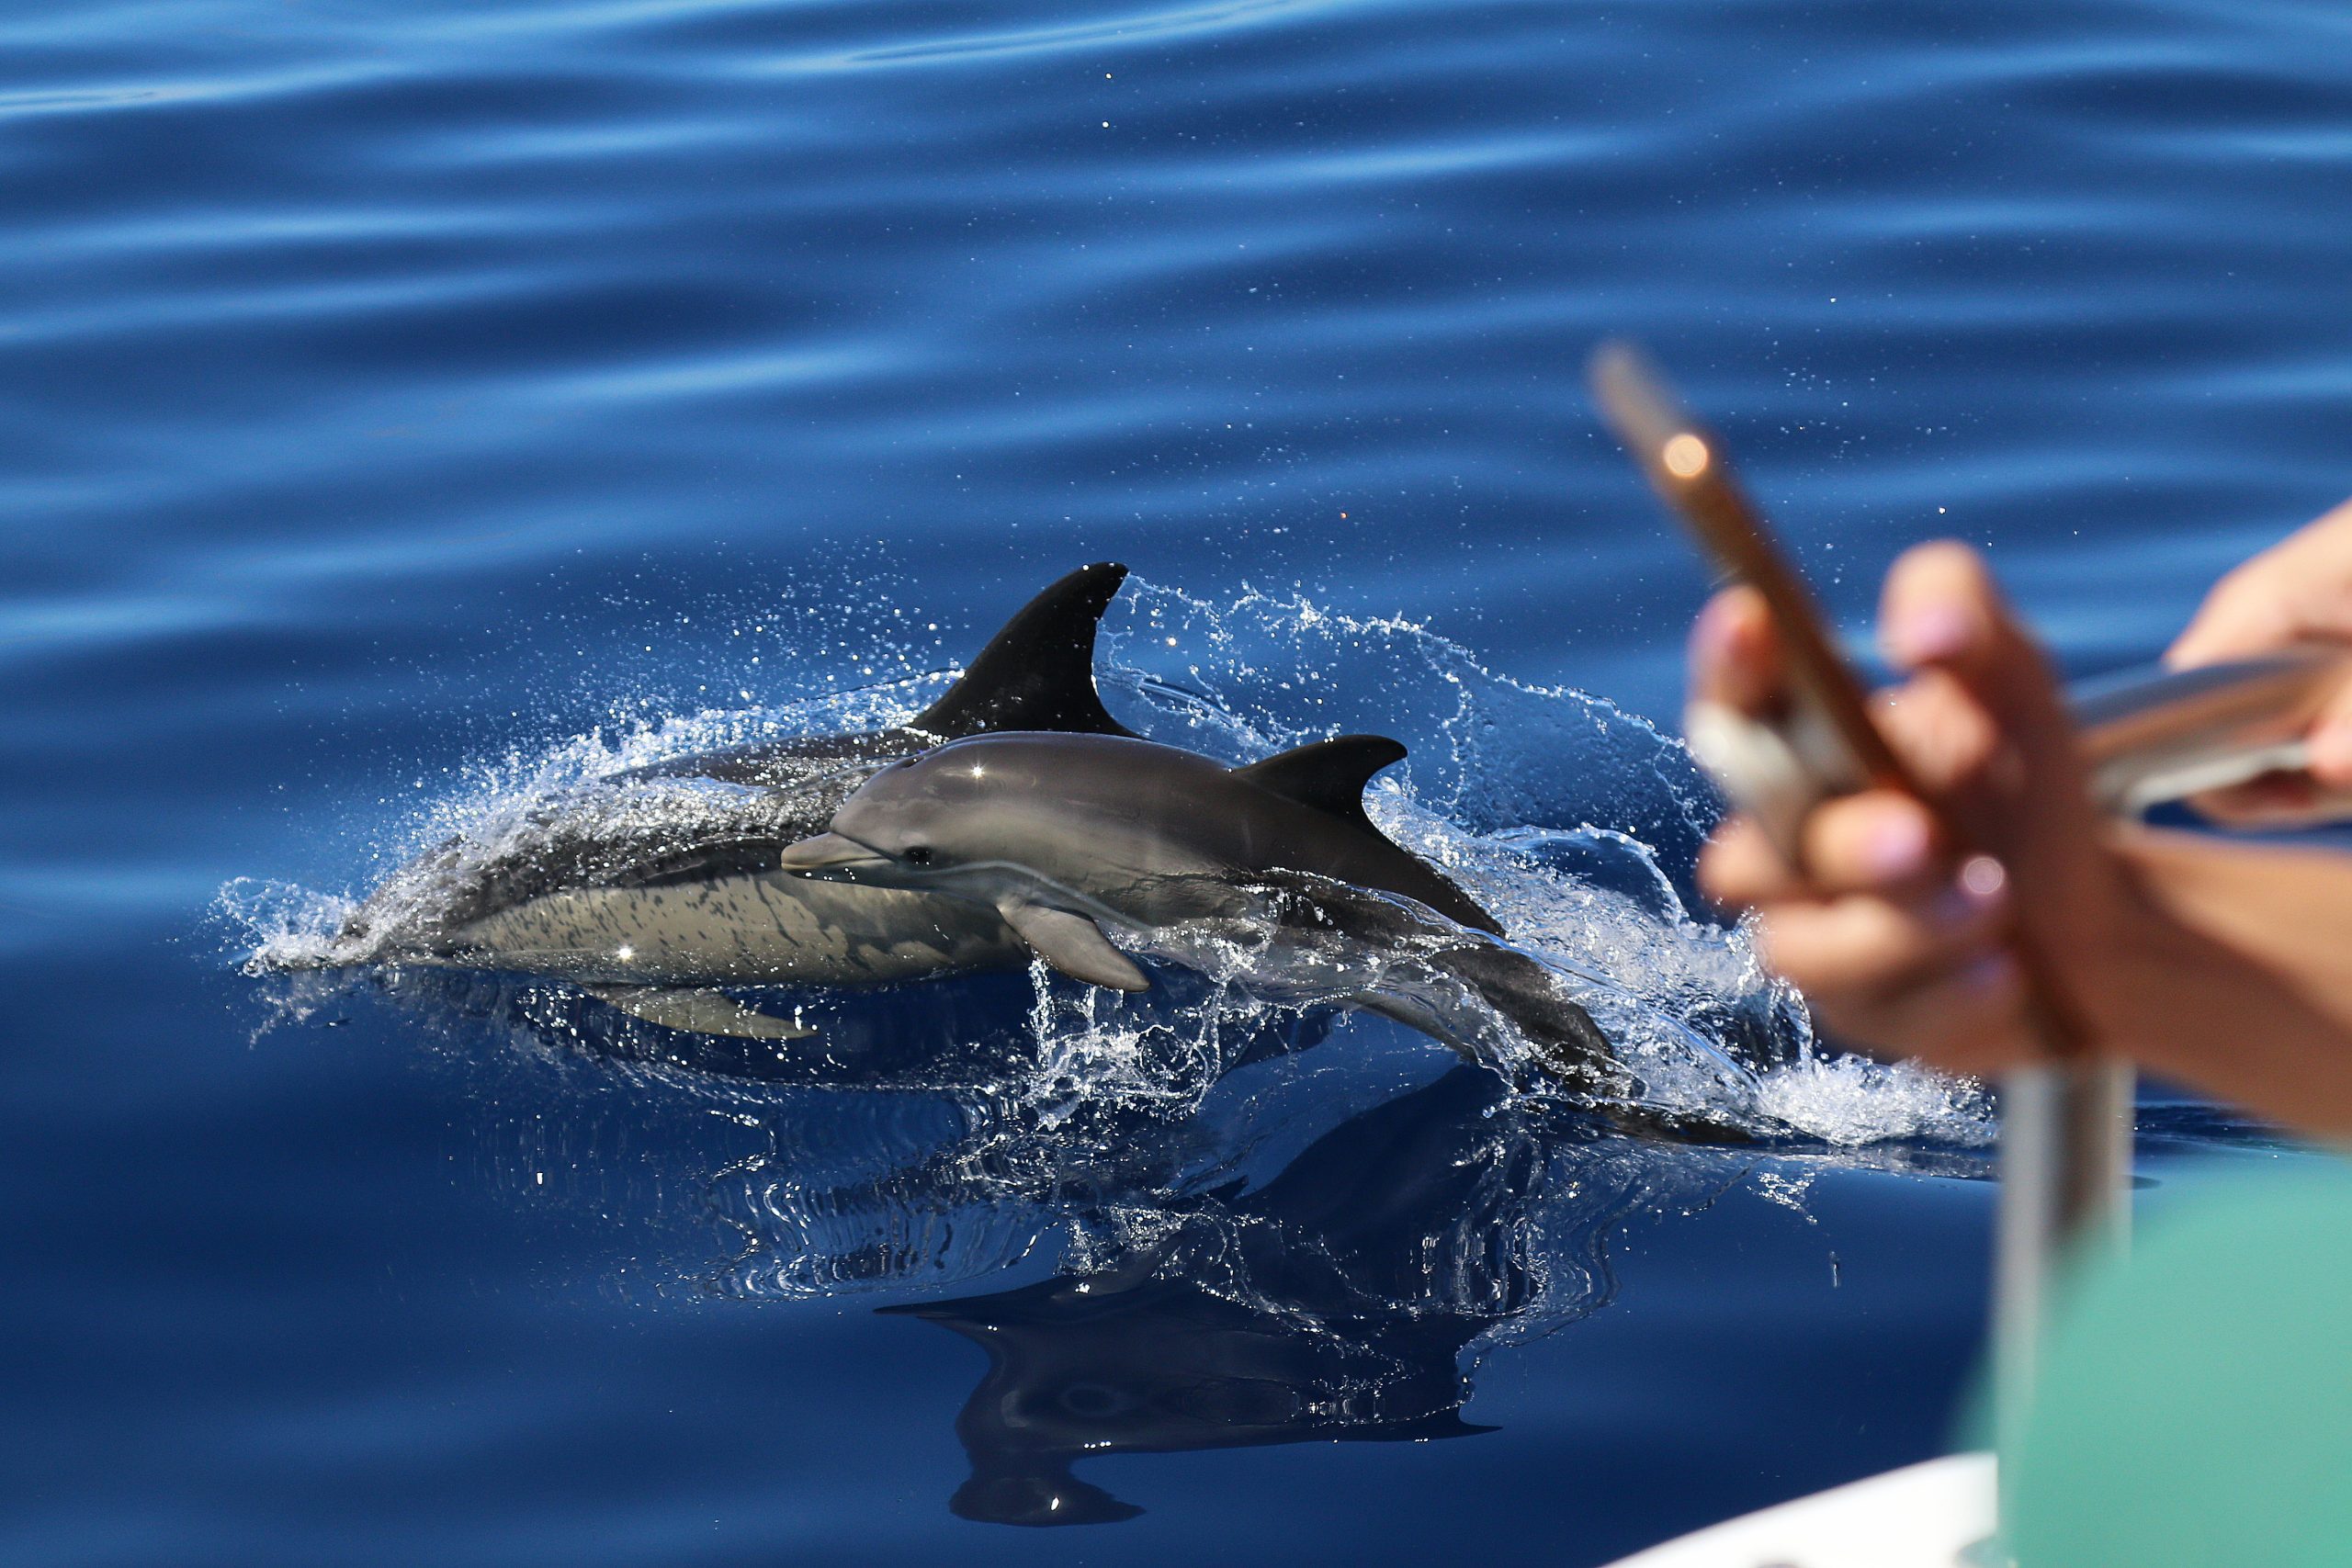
x,y
654,888
1065,837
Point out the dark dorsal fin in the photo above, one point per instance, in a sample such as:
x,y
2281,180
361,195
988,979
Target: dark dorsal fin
x,y
1328,775
1038,672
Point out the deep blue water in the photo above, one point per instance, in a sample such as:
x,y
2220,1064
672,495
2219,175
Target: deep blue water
x,y
397,394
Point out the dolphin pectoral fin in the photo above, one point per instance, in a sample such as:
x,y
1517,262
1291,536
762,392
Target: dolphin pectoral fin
x,y
699,1012
1075,945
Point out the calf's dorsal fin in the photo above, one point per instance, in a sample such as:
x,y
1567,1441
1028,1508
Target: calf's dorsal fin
x,y
1038,672
1328,775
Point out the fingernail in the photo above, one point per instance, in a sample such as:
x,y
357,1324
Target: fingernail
x,y
1983,878
1926,634
1896,846
1711,633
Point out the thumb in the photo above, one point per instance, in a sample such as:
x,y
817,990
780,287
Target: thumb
x,y
2331,743
2246,613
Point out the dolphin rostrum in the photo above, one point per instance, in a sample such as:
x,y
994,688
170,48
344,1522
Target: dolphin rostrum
x,y
1067,836
652,888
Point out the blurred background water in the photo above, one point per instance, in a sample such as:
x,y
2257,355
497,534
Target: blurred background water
x,y
391,390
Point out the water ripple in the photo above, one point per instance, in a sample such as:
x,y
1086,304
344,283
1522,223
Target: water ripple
x,y
394,389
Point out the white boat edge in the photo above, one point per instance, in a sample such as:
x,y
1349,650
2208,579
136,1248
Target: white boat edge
x,y
1935,1514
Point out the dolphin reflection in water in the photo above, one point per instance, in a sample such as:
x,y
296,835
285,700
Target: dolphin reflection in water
x,y
1334,1302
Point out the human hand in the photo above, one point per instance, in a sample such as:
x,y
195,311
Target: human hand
x,y
1897,935
2296,593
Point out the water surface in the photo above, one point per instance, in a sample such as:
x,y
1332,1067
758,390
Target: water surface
x,y
405,400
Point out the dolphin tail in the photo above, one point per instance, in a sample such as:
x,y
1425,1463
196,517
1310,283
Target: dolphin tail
x,y
1569,1046
1038,672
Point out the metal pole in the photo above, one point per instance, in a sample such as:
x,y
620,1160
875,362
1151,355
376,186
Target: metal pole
x,y
2065,1172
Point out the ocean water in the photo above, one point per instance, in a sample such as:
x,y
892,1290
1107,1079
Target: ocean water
x,y
415,408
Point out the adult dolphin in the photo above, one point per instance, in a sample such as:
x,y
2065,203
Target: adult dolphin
x,y
654,888
1067,837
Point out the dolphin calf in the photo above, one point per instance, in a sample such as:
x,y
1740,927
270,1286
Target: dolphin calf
x,y
1066,838
652,888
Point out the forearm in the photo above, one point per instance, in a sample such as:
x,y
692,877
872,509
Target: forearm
x,y
2239,981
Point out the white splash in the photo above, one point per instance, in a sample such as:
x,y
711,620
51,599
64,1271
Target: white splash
x,y
1852,1101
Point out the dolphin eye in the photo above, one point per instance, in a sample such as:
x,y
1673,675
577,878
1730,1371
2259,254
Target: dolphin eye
x,y
916,854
